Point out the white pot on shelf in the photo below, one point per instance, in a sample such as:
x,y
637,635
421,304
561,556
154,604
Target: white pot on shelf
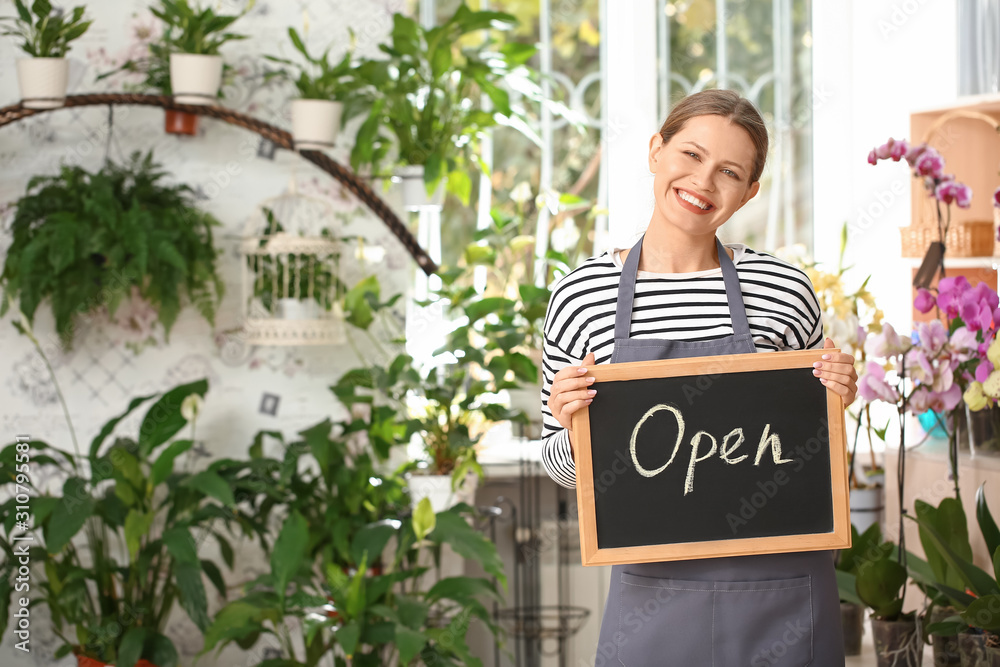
x,y
42,82
866,506
437,488
195,78
411,181
315,123
296,309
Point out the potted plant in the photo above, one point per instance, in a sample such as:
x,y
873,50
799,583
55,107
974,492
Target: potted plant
x,y
194,37
348,567
395,616
851,606
318,113
118,545
978,593
426,99
880,581
45,36
89,242
311,286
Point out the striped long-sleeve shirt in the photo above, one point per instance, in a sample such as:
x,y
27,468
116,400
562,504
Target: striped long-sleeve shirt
x,y
781,307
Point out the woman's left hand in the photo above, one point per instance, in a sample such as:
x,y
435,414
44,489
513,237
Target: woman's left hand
x,y
837,372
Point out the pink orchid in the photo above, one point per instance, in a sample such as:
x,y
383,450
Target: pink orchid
x,y
923,399
873,387
898,149
872,157
964,344
924,301
914,153
983,370
862,336
930,163
884,151
996,198
952,192
932,336
885,344
949,292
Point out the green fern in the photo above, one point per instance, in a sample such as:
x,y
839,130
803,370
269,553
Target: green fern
x,y
82,240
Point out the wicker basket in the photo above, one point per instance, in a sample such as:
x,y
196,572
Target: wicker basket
x,y
964,239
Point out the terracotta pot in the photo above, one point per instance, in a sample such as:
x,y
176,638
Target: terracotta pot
x,y
897,643
179,122
972,649
84,661
852,619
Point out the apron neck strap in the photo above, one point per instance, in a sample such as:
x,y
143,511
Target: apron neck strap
x,y
626,291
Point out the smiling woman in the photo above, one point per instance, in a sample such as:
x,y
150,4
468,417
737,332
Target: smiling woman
x,y
679,292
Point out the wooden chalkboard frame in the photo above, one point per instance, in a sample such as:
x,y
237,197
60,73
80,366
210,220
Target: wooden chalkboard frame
x,y
591,554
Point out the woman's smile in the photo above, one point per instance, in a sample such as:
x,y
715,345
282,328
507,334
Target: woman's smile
x,y
693,202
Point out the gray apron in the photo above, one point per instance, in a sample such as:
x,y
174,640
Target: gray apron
x,y
774,610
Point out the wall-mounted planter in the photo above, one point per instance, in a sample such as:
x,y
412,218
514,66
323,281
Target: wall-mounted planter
x,y
180,122
315,123
195,79
43,82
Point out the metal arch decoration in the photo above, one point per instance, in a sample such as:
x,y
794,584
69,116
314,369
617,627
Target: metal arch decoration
x,y
275,135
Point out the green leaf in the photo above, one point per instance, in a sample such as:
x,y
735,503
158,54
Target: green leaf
x,y
289,551
96,443
949,521
160,650
164,464
847,587
211,484
369,542
192,593
214,575
409,642
987,526
181,545
880,584
347,636
984,613
163,419
979,581
462,589
412,612
130,650
424,519
452,529
460,185
74,508
232,621
405,35
136,526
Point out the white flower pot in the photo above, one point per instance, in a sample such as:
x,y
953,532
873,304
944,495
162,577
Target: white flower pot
x,y
866,506
43,82
315,123
437,488
296,309
195,79
411,180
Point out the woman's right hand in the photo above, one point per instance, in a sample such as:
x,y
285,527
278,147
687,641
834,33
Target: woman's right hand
x,y
571,390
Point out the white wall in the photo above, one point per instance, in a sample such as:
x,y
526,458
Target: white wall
x,y
874,62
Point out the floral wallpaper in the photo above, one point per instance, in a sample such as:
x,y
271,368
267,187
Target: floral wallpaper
x,y
113,361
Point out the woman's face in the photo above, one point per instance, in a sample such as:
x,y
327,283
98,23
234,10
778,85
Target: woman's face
x,y
702,176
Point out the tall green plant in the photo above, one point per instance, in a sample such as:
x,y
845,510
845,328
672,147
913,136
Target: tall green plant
x,y
188,29
45,33
425,96
318,78
84,240
117,548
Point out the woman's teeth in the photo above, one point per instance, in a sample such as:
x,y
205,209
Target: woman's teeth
x,y
691,199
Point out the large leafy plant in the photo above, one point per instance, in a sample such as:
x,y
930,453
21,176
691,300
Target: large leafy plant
x,y
426,96
119,544
45,33
85,240
318,78
188,29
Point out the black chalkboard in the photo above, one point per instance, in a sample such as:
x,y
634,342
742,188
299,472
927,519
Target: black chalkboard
x,y
737,494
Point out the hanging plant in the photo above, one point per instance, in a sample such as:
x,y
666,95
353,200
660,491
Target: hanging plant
x,y
86,241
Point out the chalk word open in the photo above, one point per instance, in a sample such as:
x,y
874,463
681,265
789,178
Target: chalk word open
x,y
730,444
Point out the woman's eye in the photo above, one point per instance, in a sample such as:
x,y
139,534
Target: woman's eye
x,y
694,155
730,172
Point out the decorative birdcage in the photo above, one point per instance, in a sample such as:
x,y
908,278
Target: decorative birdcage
x,y
290,263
